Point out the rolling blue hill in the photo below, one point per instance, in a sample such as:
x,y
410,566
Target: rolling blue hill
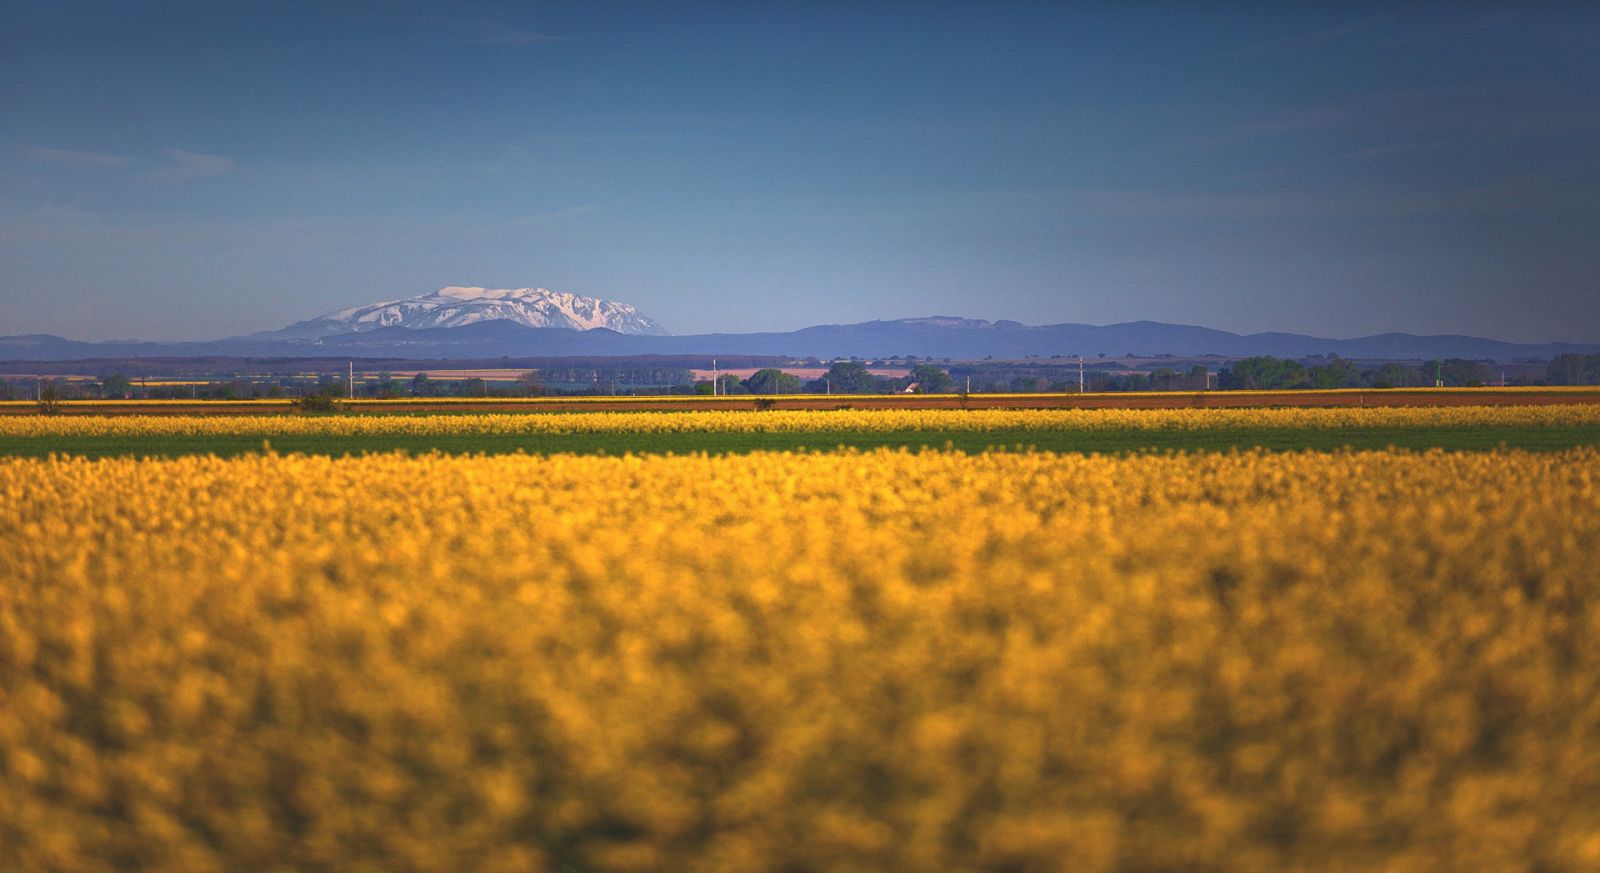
x,y
938,337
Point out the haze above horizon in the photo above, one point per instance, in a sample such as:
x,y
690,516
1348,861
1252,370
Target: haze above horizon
x,y
185,170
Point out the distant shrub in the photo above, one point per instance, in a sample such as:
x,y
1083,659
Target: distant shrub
x,y
49,402
317,403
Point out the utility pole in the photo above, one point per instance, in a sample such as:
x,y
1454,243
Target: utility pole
x,y
1080,374
714,378
1438,375
350,382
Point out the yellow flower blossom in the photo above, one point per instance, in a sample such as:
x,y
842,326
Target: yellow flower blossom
x,y
801,421
843,661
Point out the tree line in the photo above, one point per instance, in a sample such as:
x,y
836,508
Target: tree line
x,y
1574,370
842,377
1276,374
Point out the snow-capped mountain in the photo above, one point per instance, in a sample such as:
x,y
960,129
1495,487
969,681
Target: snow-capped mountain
x,y
456,306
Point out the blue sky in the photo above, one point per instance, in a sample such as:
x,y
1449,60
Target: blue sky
x,y
194,170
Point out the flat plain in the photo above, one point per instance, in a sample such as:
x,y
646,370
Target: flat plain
x,y
1297,639
615,431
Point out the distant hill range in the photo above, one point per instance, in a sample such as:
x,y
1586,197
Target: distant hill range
x,y
460,323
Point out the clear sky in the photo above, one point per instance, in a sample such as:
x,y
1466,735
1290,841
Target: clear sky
x,y
199,169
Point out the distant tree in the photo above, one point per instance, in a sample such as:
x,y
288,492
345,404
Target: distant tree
x,y
852,377
115,385
49,400
771,380
1390,375
317,402
387,387
1161,378
475,387
931,379
331,386
421,386
1456,373
531,383
1574,370
1336,372
1469,374
1262,374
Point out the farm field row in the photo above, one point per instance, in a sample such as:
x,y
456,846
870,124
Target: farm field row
x,y
777,661
1532,427
1521,396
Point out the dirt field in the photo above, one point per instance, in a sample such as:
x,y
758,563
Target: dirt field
x,y
1124,400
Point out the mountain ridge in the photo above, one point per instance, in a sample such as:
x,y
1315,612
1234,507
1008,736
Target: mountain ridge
x,y
929,336
461,305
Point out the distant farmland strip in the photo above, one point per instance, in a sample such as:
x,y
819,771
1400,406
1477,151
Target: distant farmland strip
x,y
1357,397
1081,430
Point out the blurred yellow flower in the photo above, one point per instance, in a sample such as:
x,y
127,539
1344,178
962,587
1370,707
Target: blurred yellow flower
x,y
815,661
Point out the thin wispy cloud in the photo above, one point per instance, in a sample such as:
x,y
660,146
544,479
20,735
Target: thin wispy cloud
x,y
1427,115
1300,122
187,165
1375,153
1523,194
78,158
606,138
1549,193
1315,38
495,33
514,158
556,215
1369,155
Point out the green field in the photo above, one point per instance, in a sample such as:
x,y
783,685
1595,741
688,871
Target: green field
x,y
1065,440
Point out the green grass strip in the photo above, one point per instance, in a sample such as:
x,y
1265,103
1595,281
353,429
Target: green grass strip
x,y
1064,440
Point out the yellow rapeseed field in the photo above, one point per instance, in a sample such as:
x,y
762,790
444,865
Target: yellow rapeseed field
x,y
802,421
1270,396
801,662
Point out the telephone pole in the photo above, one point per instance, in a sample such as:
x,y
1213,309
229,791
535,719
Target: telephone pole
x,y
350,382
1080,374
